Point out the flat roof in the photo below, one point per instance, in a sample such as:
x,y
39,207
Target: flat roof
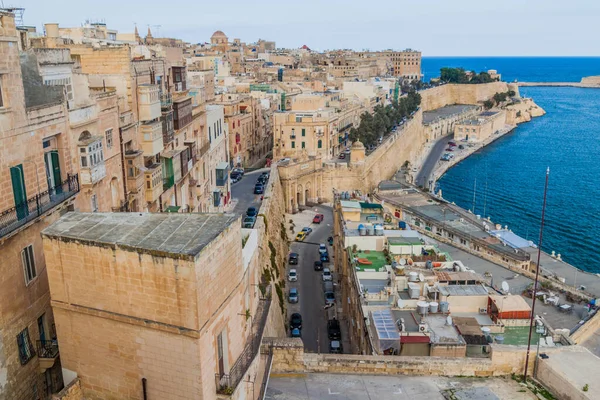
x,y
407,241
376,258
171,235
462,290
350,204
372,206
446,112
510,303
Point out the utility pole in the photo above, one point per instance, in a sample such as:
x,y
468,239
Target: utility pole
x,y
537,273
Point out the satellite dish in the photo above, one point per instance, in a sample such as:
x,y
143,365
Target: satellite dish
x,y
505,286
421,278
449,320
402,261
400,303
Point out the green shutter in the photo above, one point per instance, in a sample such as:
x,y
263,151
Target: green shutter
x,y
303,145
19,193
293,145
303,132
320,144
56,172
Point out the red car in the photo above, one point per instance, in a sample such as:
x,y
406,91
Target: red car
x,y
318,219
342,156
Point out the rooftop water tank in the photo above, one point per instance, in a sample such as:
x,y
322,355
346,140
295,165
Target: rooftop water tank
x,y
433,307
378,230
422,307
370,230
413,277
414,290
499,339
361,230
402,225
444,306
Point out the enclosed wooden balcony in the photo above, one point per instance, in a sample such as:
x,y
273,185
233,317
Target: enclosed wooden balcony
x,y
149,102
154,182
151,138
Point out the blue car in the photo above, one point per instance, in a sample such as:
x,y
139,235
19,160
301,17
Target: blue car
x,y
324,257
259,189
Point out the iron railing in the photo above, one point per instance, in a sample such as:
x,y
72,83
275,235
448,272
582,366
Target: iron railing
x,y
16,217
227,383
267,352
47,348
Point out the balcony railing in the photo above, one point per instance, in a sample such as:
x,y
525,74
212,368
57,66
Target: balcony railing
x,y
166,100
15,217
226,384
47,348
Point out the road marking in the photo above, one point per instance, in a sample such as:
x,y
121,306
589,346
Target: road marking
x,y
330,392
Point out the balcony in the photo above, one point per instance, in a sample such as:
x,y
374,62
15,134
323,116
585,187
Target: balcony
x,y
166,101
167,127
92,175
171,161
222,173
16,217
151,138
148,102
47,351
153,177
134,159
227,383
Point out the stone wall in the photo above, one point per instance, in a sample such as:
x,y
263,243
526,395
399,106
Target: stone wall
x,y
71,392
289,357
586,330
444,95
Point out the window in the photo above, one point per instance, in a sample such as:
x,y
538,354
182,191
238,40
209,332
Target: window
x,y
94,201
320,144
109,138
293,145
26,351
66,82
303,145
303,132
28,260
1,101
92,154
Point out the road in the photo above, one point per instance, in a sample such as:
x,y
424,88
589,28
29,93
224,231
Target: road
x,y
431,161
243,192
310,282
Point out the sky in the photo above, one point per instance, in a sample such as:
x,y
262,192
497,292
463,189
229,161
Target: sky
x,y
436,27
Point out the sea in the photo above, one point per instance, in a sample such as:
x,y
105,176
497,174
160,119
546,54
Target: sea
x,y
505,180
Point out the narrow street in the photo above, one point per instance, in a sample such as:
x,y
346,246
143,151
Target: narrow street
x,y
243,191
310,282
432,159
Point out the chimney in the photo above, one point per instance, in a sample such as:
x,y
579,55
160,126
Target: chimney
x,y
51,30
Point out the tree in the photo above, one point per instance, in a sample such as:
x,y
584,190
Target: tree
x,y
488,104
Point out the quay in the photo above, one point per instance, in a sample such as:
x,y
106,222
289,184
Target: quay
x,y
586,82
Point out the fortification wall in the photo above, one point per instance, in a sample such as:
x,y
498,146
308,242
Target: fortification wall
x,y
444,95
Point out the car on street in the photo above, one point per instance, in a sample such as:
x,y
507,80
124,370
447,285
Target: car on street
x,y
333,329
252,212
293,275
266,175
322,248
296,332
318,218
452,143
324,257
249,222
329,297
335,347
307,230
296,321
259,189
261,180
318,266
342,156
293,296
330,240
238,170
235,177
450,149
293,259
327,274
301,236
445,157
461,147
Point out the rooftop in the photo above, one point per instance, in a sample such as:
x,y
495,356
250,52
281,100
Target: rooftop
x,y
463,290
404,241
376,258
171,235
446,112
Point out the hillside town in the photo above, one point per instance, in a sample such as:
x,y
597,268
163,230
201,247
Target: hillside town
x,y
231,219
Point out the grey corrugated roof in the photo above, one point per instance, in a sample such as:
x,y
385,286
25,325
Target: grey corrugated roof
x,y
463,290
168,234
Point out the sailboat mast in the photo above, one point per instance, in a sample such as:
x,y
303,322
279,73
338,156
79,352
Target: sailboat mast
x,y
474,193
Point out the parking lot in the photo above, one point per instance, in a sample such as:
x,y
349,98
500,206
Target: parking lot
x,y
311,297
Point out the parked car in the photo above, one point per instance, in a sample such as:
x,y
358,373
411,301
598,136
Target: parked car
x,y
259,189
318,218
327,286
301,236
249,222
318,266
327,274
296,332
266,174
235,177
329,298
307,230
324,257
252,212
322,248
238,170
293,296
450,149
296,321
461,147
335,347
293,259
452,143
333,329
261,180
445,157
293,275
330,240
342,156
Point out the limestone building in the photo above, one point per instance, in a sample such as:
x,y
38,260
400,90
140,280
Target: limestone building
x,y
169,305
481,127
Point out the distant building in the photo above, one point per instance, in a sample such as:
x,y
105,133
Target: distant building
x,y
481,127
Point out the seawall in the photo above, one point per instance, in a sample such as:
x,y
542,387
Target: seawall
x,y
586,82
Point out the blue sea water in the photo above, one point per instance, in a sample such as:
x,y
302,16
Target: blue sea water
x,y
510,172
